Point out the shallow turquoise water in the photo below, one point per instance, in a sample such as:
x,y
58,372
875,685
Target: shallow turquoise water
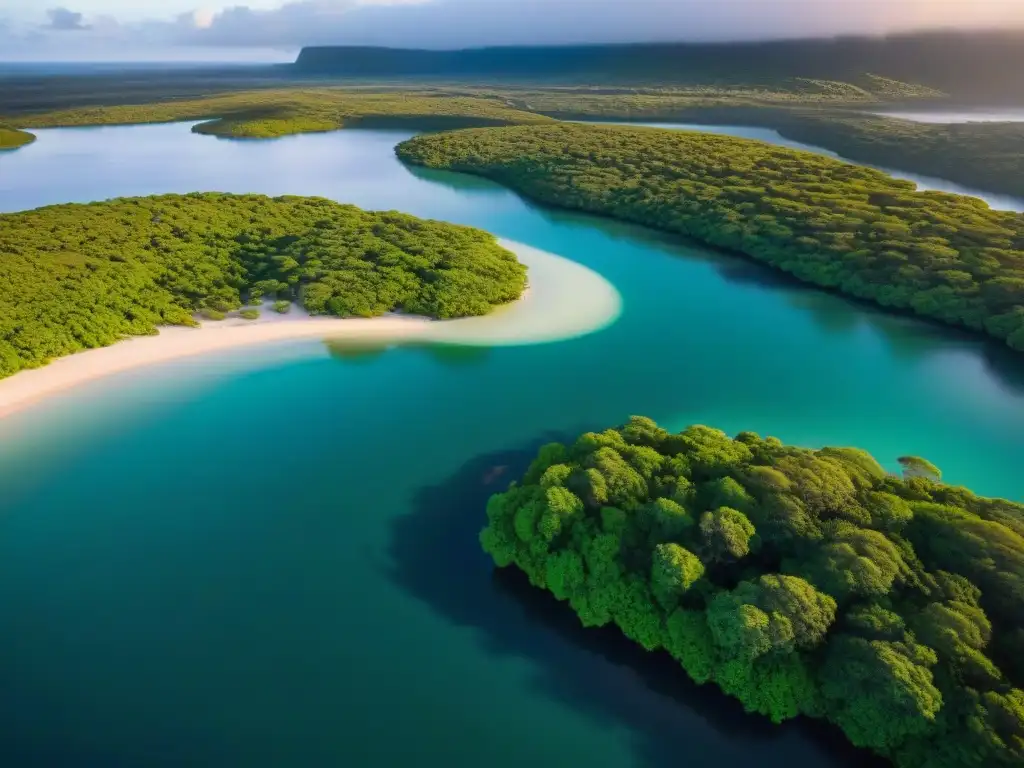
x,y
270,558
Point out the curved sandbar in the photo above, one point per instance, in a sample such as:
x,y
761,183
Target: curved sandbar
x,y
564,300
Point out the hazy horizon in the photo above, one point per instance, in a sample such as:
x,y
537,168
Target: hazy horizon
x,y
259,57
273,31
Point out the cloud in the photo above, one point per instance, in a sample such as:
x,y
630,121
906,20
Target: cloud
x,y
203,18
461,23
65,20
244,32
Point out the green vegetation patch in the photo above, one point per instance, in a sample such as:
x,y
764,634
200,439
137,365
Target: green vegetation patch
x,y
12,138
988,156
275,113
945,257
79,276
800,582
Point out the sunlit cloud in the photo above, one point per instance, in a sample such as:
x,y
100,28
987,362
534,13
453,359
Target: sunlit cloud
x,y
468,23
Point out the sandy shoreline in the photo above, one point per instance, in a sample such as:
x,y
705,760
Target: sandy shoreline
x,y
549,310
26,388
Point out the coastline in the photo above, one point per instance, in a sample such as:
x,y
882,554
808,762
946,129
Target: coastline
x,y
27,388
563,299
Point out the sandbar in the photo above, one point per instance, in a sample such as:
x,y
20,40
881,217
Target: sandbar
x,y
564,299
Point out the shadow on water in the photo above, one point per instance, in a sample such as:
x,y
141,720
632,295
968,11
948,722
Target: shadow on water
x,y
597,672
368,351
457,182
356,351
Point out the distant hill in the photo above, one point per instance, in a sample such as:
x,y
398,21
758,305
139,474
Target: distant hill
x,y
977,66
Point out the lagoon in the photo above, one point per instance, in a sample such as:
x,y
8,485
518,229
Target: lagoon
x,y
269,557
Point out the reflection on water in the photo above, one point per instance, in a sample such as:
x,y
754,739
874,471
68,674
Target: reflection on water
x,y
356,350
460,182
368,351
1011,115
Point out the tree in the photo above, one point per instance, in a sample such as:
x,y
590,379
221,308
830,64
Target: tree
x,y
856,562
625,486
915,466
879,692
889,513
775,614
691,644
726,534
673,571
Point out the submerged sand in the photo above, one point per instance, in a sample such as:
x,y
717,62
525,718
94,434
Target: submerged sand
x,y
564,300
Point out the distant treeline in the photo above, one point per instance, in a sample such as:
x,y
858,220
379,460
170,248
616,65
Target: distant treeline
x,y
986,156
983,65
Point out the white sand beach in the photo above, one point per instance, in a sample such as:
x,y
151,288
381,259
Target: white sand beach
x,y
564,300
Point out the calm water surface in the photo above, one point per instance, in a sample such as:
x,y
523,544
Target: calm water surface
x,y
999,115
270,558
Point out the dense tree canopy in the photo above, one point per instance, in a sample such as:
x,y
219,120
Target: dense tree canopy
x,y
946,257
800,582
983,155
80,276
280,112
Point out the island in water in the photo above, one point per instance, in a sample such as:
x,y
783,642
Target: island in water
x,y
803,583
800,582
840,226
83,276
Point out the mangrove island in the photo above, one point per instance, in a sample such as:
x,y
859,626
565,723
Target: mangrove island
x,y
800,582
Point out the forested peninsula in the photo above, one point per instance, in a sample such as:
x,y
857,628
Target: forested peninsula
x,y
268,114
840,226
985,156
12,138
800,582
74,277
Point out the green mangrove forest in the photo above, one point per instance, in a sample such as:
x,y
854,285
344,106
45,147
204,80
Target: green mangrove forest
x,y
800,582
836,225
987,156
77,276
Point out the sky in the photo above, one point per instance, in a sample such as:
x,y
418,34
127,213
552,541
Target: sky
x,y
274,30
